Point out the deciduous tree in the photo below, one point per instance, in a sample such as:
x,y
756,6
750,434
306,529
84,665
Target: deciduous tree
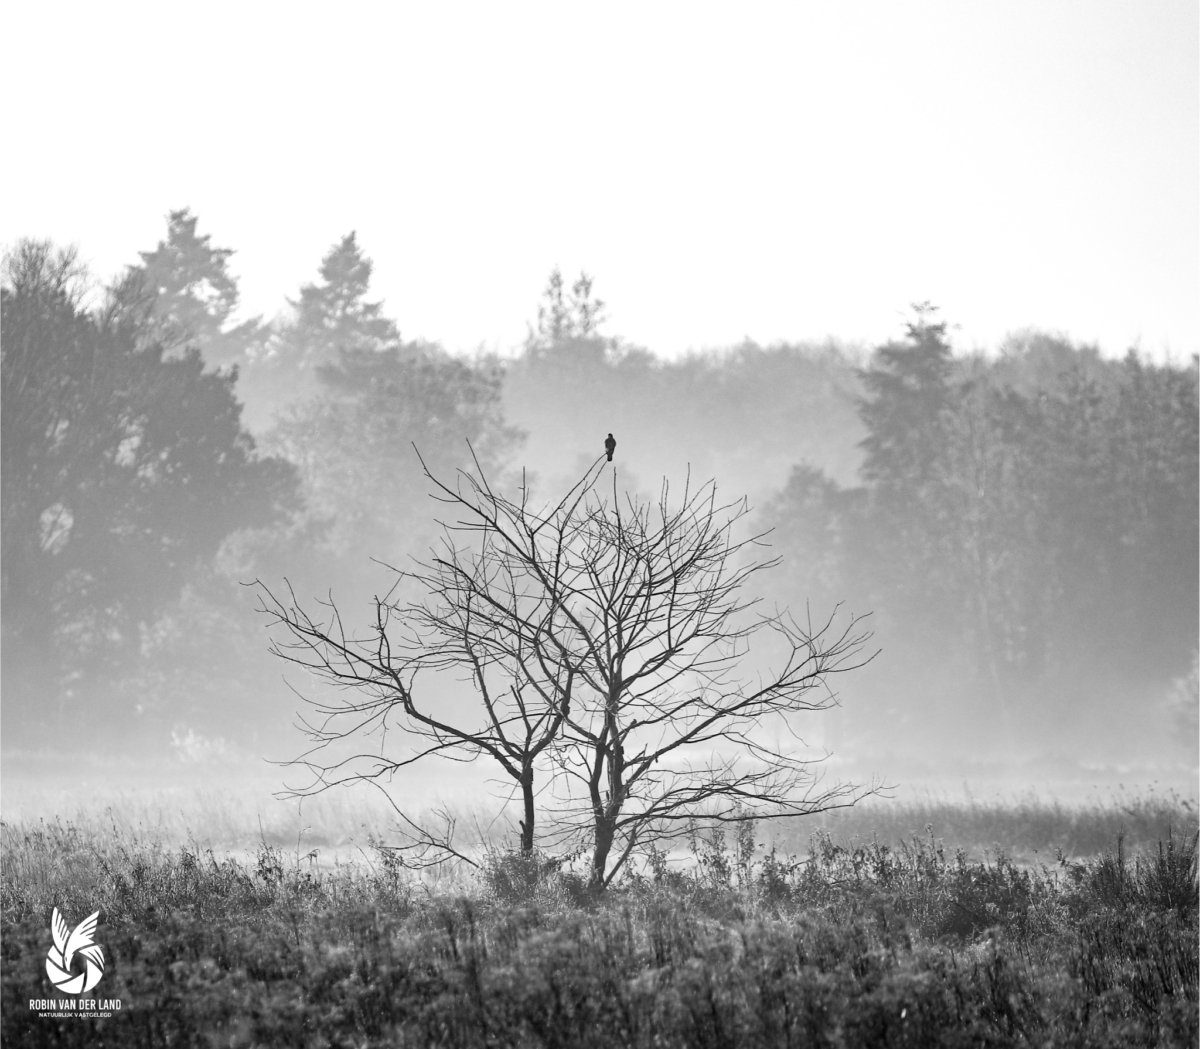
x,y
123,472
351,445
614,655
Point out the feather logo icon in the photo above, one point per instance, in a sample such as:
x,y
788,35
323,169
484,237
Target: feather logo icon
x,y
69,942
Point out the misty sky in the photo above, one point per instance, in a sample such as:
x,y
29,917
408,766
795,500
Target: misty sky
x,y
788,171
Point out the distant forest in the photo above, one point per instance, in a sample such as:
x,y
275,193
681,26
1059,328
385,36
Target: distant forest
x,y
1021,523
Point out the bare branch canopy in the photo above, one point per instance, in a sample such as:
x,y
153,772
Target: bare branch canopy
x,y
624,680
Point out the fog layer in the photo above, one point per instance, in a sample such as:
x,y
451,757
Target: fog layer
x,y
1021,525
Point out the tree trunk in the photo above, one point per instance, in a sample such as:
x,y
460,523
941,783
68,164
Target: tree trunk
x,y
605,831
527,822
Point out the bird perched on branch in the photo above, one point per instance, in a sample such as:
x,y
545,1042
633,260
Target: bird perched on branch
x,y
609,446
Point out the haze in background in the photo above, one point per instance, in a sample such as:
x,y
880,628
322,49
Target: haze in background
x,y
1020,521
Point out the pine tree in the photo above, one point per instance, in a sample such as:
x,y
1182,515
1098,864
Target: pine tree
x,y
331,317
567,322
183,295
334,315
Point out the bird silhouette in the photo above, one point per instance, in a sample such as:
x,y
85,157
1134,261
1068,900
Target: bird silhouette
x,y
609,446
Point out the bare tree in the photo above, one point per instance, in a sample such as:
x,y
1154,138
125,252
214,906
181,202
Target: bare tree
x,y
381,671
607,646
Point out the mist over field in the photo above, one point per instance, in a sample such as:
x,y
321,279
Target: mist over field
x,y
663,525
1020,523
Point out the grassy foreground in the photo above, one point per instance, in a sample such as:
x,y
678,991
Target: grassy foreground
x,y
857,945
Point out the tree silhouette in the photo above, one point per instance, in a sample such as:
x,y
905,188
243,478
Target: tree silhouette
x,y
335,315
330,317
124,470
183,294
608,648
567,321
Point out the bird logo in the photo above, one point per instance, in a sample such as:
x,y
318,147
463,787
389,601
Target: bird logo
x,y
610,446
69,942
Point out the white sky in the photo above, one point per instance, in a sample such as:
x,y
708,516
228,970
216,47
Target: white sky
x,y
782,171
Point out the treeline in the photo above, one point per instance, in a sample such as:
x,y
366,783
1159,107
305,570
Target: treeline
x,y
1023,524
1025,527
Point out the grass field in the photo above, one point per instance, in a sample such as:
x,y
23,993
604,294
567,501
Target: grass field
x,y
927,923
